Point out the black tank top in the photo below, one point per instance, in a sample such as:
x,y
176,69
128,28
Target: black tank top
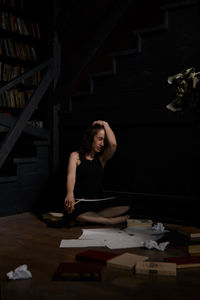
x,y
89,179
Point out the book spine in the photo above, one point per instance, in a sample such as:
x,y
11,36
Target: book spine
x,y
194,250
184,266
156,268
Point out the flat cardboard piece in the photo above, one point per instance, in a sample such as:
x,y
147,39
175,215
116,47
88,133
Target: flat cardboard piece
x,y
126,261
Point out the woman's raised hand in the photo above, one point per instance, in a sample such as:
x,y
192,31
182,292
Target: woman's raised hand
x,y
100,122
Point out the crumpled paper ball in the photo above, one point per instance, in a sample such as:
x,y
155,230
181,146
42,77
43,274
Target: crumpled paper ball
x,y
158,227
153,244
20,272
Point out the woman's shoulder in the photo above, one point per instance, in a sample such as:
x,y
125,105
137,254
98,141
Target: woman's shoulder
x,y
75,157
74,154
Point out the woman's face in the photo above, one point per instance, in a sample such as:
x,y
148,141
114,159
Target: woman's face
x,y
98,141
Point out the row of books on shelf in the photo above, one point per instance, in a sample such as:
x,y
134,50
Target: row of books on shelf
x,y
15,98
9,72
9,48
13,3
16,24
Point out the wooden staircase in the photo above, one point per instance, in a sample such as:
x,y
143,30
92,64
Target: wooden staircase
x,y
108,63
119,41
20,189
26,161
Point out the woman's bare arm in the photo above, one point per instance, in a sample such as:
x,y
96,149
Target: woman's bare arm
x,y
111,142
71,179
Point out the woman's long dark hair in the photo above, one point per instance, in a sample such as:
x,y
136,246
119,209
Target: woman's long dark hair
x,y
86,145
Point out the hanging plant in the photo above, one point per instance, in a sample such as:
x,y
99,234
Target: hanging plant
x,y
187,95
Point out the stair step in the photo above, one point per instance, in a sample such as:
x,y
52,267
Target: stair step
x,y
90,91
25,151
176,5
41,143
8,179
151,30
24,160
125,52
82,94
102,74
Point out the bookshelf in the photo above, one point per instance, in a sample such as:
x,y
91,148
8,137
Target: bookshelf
x,y
20,43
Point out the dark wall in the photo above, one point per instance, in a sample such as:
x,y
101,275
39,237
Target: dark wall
x,y
158,150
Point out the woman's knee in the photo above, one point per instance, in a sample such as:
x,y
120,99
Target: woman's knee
x,y
80,218
85,217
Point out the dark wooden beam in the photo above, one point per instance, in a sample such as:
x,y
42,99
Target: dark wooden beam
x,y
9,121
24,76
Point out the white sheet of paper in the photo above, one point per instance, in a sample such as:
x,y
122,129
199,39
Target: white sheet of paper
x,y
115,244
104,234
113,238
81,243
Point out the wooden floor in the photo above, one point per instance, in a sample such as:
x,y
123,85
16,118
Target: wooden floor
x,y
24,239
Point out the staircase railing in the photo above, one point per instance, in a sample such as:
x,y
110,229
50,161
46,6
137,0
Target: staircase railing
x,y
19,124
